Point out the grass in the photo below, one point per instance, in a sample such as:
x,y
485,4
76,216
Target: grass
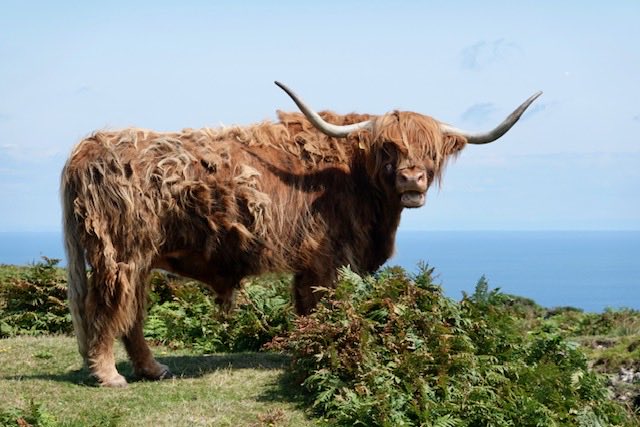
x,y
43,376
609,354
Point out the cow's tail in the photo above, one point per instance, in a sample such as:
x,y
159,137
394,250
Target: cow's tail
x,y
76,266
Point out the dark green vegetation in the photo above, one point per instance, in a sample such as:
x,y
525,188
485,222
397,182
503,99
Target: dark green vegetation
x,y
33,300
388,350
393,351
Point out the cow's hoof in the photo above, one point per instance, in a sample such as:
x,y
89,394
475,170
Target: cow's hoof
x,y
115,382
166,375
160,372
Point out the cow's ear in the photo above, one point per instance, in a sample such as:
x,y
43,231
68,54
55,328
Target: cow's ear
x,y
453,144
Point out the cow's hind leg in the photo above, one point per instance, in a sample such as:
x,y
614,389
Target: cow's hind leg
x,y
101,333
144,364
102,362
112,302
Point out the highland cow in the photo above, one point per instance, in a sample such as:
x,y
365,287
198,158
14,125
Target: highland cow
x,y
305,195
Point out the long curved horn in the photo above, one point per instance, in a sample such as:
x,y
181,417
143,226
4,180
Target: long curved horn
x,y
317,121
498,131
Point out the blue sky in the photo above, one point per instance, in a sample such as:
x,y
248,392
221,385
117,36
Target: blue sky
x,y
573,162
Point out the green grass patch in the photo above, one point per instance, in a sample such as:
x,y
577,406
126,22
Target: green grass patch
x,y
41,382
610,353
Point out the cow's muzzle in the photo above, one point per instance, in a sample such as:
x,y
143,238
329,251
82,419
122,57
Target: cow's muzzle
x,y
413,199
412,184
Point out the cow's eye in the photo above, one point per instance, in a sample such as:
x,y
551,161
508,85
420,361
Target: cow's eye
x,y
388,168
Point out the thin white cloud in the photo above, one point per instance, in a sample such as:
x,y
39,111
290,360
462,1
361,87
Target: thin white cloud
x,y
479,113
483,53
83,89
483,112
10,172
636,118
535,109
567,159
29,153
470,55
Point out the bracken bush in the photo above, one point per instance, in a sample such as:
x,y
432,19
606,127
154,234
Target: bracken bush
x,y
33,300
35,415
184,314
391,350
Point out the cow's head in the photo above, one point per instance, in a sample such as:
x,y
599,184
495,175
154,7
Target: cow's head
x,y
406,152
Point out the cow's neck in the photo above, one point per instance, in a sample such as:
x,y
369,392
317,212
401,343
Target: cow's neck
x,y
382,231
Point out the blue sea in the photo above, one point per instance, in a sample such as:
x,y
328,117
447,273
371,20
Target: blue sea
x,y
591,270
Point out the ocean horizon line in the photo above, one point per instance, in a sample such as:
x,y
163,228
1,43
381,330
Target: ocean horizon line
x,y
589,269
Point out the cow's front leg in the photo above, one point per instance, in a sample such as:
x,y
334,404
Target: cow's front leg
x,y
145,365
305,292
226,290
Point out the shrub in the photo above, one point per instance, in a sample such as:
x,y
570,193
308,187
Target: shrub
x,y
35,415
392,350
184,314
616,322
33,301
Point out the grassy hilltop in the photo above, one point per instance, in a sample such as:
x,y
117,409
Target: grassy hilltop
x,y
385,350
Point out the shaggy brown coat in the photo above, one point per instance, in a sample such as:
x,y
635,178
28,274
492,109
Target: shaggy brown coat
x,y
218,205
